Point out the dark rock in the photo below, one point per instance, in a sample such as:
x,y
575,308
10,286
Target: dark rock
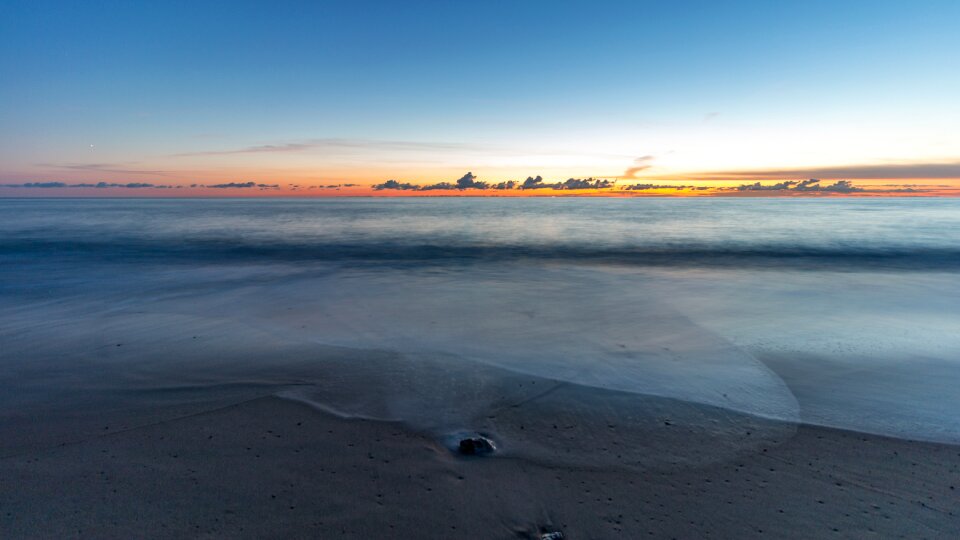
x,y
476,445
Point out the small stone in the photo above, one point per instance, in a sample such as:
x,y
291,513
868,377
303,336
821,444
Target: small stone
x,y
473,446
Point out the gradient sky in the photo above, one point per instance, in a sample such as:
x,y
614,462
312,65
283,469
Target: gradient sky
x,y
321,93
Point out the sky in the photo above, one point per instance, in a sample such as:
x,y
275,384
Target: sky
x,y
288,98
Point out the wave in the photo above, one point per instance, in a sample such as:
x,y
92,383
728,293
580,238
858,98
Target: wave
x,y
705,255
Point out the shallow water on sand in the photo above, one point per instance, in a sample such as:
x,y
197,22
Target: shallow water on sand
x,y
447,314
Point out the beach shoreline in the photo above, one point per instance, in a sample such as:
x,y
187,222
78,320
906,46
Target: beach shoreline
x,y
152,388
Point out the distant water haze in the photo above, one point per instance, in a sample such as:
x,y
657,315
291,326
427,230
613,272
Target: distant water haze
x,y
835,312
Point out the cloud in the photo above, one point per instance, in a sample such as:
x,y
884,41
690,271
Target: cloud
x,y
645,187
811,185
583,183
117,168
394,150
532,183
467,181
568,184
441,186
266,148
840,186
393,184
133,185
334,144
642,163
40,185
243,185
946,169
757,186
98,185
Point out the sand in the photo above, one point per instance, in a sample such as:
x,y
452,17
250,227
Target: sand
x,y
274,468
326,402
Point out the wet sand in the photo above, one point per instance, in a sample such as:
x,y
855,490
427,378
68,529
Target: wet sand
x,y
274,468
161,421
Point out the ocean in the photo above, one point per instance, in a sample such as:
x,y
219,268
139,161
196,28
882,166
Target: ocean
x,y
842,312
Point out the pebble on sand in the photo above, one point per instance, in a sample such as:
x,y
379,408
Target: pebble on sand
x,y
476,445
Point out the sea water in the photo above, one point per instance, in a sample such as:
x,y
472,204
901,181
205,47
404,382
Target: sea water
x,y
843,312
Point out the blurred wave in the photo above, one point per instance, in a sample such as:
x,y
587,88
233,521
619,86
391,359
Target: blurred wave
x,y
773,256
907,234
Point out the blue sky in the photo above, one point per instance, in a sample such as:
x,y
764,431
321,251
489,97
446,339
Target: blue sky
x,y
317,91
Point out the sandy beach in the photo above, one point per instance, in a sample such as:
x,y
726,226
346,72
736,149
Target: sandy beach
x,y
245,384
272,468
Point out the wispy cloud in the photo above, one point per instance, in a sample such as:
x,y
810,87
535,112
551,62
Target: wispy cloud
x,y
407,152
243,185
642,163
648,187
98,185
138,185
338,144
118,168
945,169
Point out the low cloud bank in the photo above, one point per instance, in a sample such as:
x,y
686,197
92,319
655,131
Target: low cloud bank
x,y
811,185
467,181
138,185
569,183
393,184
904,171
131,185
470,181
243,185
646,187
